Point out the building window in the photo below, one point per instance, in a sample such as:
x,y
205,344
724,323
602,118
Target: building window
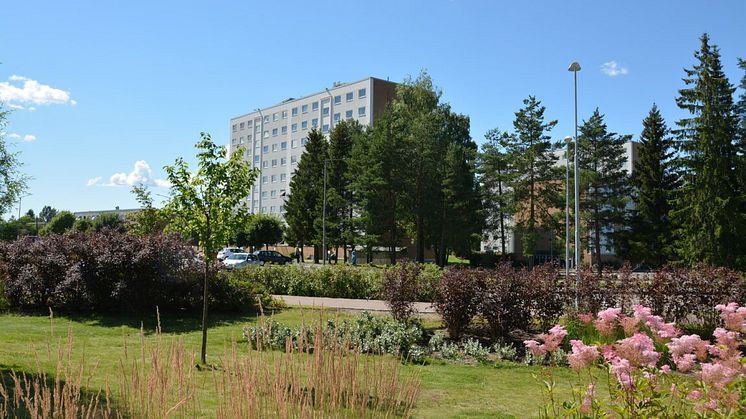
x,y
242,126
265,164
315,122
348,114
264,179
257,122
325,112
337,99
272,208
274,116
234,127
248,138
294,112
264,210
283,177
304,125
256,202
274,162
282,209
266,134
293,143
337,116
315,106
284,145
284,129
284,114
248,124
348,97
274,132
274,178
264,194
361,93
283,161
282,192
265,149
266,119
273,195
325,128
361,111
293,159
294,127
303,141
256,159
304,108
274,147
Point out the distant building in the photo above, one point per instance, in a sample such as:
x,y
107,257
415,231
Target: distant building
x,y
545,248
92,215
274,137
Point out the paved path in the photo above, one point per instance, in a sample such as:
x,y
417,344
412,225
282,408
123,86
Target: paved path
x,y
347,303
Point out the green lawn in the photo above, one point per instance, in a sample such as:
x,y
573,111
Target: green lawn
x,y
448,390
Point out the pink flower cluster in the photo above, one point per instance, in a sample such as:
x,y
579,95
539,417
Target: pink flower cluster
x,y
607,320
660,328
686,350
582,356
733,316
552,341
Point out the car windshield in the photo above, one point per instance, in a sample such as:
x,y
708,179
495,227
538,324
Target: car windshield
x,y
235,250
238,256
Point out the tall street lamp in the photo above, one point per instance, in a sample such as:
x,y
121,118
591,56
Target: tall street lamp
x,y
575,67
20,199
568,140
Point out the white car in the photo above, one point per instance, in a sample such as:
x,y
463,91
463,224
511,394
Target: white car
x,y
227,251
239,260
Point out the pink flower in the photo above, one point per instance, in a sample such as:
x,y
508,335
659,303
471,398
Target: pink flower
x,y
582,356
717,374
733,316
607,320
686,350
553,340
534,347
639,350
629,324
665,370
660,328
694,395
586,318
622,370
586,406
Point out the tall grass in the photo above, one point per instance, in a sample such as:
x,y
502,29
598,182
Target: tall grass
x,y
159,378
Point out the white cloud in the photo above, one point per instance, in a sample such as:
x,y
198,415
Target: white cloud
x,y
12,106
13,136
28,91
29,138
141,174
612,69
73,102
31,109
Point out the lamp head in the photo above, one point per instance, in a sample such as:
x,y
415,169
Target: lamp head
x,y
568,139
574,67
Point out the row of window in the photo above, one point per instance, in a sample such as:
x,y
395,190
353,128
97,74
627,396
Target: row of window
x,y
282,177
282,162
273,193
272,209
349,96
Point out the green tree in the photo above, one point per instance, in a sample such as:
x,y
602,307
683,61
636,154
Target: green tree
x,y
303,206
339,211
208,204
604,184
497,172
530,152
47,213
148,220
263,230
108,221
12,181
709,223
82,225
650,238
377,169
61,222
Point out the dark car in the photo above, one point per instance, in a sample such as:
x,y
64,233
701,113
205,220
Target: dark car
x,y
271,256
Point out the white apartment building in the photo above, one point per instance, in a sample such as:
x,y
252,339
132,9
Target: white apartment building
x,y
274,138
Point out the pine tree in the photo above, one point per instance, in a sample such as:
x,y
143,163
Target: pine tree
x,y
496,173
650,238
605,185
530,150
708,217
302,209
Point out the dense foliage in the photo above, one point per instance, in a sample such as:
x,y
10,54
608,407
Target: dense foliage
x,y
401,289
111,271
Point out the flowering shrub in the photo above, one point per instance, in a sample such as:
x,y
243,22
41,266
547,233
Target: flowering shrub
x,y
710,380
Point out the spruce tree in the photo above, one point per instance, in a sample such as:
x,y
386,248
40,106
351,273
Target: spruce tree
x,y
605,185
708,210
496,173
530,150
302,209
650,238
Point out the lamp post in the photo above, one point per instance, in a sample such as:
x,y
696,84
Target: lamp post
x,y
20,199
574,68
568,140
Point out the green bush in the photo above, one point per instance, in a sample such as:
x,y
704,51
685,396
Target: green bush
x,y
231,294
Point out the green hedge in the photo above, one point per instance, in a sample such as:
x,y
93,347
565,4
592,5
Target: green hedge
x,y
335,281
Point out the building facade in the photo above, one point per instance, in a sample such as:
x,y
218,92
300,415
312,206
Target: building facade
x,y
274,138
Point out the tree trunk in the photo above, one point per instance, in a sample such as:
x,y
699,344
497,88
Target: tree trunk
x,y
203,356
420,239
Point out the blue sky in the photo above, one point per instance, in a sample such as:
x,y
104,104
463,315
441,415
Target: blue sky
x,y
104,85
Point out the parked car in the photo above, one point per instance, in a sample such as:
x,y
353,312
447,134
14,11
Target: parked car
x,y
227,251
271,256
240,260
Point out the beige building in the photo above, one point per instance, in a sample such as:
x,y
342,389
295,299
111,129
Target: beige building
x,y
274,138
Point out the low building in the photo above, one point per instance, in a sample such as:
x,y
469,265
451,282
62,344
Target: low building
x,y
92,215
